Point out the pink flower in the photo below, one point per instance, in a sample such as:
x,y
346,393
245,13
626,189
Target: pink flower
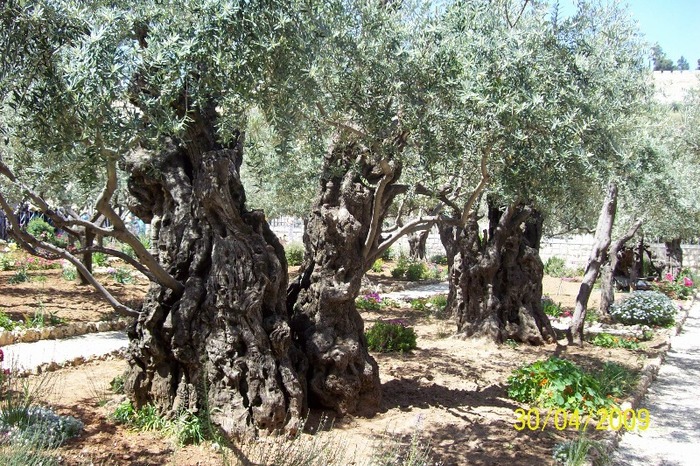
x,y
6,371
2,356
687,281
668,277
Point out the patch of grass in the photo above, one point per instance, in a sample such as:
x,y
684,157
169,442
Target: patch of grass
x,y
390,451
576,452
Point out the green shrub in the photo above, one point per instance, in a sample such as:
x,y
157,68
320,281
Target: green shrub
x,y
646,308
416,271
558,383
41,230
606,340
7,262
378,265
616,381
121,275
555,267
391,336
294,253
401,266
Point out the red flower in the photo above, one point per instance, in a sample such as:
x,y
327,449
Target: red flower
x,y
2,356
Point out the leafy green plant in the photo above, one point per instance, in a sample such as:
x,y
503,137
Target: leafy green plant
x,y
616,380
645,307
607,340
7,262
390,336
558,383
99,258
41,319
378,265
294,253
69,273
21,276
551,308
6,323
121,275
117,385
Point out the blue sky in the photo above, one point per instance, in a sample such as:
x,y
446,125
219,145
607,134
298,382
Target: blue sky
x,y
674,24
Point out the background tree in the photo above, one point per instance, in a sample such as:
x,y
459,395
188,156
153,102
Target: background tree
x,y
660,60
683,64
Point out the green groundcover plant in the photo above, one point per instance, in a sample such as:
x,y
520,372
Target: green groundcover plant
x,y
558,383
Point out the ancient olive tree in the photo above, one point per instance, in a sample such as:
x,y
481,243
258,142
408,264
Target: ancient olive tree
x,y
531,99
159,92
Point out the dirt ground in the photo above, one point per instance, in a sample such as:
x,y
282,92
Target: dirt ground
x,y
449,392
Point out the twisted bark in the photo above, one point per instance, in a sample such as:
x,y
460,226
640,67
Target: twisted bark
x,y
496,279
224,343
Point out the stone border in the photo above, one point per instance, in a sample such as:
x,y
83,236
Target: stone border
x,y
31,335
75,362
648,374
399,285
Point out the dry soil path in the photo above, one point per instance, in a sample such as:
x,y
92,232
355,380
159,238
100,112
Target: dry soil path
x,y
28,356
673,401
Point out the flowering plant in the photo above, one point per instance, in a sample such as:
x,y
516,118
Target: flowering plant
x,y
645,307
680,287
369,302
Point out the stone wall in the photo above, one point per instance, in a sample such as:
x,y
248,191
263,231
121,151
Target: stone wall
x,y
574,249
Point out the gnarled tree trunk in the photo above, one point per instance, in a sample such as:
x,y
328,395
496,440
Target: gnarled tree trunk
x,y
496,280
417,243
674,257
607,273
340,238
224,344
